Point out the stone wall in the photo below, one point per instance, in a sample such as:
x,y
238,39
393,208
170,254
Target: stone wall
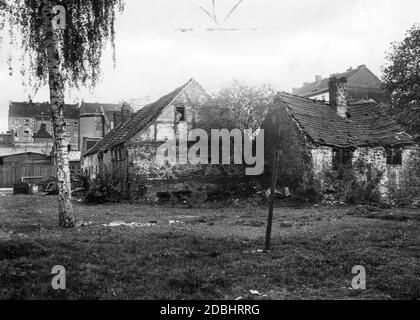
x,y
394,177
146,172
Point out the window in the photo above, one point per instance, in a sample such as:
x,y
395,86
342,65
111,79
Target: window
x,y
75,124
26,121
180,114
341,157
17,121
26,133
117,153
16,134
394,156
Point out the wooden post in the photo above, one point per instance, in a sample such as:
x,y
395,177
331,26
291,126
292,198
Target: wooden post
x,y
276,158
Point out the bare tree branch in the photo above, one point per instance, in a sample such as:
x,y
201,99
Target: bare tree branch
x,y
214,12
209,14
233,10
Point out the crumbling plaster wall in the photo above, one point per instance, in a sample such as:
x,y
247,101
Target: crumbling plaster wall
x,y
394,177
90,164
321,160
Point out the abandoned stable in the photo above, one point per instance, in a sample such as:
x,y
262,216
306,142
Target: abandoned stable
x,y
356,134
128,152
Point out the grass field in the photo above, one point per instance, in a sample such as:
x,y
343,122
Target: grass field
x,y
207,253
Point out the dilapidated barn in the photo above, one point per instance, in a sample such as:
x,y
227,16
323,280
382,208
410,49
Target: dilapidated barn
x,y
128,151
344,132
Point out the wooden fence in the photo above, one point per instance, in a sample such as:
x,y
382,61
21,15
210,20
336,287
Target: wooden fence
x,y
30,173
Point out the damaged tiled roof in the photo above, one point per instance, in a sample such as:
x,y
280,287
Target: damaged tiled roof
x,y
368,124
138,121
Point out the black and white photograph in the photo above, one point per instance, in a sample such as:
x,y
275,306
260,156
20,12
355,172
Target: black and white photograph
x,y
210,156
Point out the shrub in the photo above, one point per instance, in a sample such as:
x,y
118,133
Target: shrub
x,y
103,189
356,184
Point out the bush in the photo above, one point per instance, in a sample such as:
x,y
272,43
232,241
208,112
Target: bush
x,y
356,184
102,190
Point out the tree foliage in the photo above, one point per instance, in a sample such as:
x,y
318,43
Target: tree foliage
x,y
89,27
401,76
237,106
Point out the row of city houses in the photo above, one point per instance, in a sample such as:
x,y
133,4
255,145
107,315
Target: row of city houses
x,y
30,136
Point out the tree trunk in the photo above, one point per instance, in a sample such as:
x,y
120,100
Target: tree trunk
x,y
56,86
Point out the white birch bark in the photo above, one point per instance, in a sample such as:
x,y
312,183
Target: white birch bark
x,y
56,86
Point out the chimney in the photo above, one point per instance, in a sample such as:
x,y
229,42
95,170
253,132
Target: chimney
x,y
318,78
126,112
338,95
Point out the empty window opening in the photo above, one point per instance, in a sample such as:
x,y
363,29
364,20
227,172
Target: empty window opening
x,y
394,156
341,157
180,114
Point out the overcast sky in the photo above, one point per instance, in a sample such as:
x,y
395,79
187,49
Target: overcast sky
x,y
294,40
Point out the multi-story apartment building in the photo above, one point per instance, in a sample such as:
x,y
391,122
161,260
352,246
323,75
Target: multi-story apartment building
x,y
362,84
27,118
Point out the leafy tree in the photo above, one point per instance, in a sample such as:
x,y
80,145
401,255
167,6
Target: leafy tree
x,y
401,76
61,58
237,106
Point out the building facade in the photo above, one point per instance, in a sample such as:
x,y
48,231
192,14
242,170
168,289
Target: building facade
x,y
27,118
362,84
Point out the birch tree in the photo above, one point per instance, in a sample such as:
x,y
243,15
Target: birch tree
x,y
61,45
